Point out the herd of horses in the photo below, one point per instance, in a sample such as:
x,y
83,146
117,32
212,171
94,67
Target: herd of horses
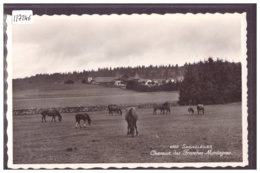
x,y
131,115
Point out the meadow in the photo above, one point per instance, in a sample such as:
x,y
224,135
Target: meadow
x,y
60,95
105,141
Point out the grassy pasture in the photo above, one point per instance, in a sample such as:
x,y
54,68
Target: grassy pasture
x,y
106,141
60,95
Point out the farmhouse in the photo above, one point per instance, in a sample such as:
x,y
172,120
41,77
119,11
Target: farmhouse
x,y
119,83
170,80
103,80
179,78
136,77
146,82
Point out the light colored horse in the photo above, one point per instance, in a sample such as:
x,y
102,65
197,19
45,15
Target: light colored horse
x,y
84,117
131,118
200,108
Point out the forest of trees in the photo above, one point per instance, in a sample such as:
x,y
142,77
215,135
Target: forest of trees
x,y
211,82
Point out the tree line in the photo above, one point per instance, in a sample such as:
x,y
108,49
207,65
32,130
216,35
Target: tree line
x,y
211,82
205,82
146,72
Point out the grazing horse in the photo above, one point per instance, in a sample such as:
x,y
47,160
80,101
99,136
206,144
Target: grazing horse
x,y
167,107
52,113
114,108
190,110
131,118
84,117
200,108
157,107
164,108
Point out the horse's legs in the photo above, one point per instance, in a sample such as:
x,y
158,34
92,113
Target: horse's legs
x,y
136,130
154,111
84,125
128,129
79,123
163,111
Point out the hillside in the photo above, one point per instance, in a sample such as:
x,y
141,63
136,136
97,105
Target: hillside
x,y
150,72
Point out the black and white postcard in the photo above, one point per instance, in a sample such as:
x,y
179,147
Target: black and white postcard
x,y
140,90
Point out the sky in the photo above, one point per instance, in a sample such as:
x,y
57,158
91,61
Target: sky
x,y
76,43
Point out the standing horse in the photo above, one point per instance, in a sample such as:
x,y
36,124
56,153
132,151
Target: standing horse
x,y
131,119
114,108
157,107
84,117
200,108
52,113
164,108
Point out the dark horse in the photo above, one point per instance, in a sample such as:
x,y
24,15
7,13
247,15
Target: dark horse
x,y
114,108
131,118
200,108
164,108
84,117
52,113
190,110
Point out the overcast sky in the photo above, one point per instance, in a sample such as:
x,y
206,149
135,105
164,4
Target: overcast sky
x,y
75,43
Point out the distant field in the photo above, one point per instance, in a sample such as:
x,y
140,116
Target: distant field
x,y
60,95
106,141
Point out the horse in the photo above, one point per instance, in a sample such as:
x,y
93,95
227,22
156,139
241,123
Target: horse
x,y
157,107
84,117
52,113
200,108
190,110
167,107
164,108
131,119
114,108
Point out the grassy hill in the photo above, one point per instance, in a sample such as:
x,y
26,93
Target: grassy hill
x,y
31,96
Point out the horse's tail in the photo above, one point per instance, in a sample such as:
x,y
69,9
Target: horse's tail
x,y
89,120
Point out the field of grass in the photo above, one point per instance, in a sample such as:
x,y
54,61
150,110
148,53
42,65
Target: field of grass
x,y
60,95
105,141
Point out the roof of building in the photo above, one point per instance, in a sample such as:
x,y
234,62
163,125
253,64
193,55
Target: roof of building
x,y
104,79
